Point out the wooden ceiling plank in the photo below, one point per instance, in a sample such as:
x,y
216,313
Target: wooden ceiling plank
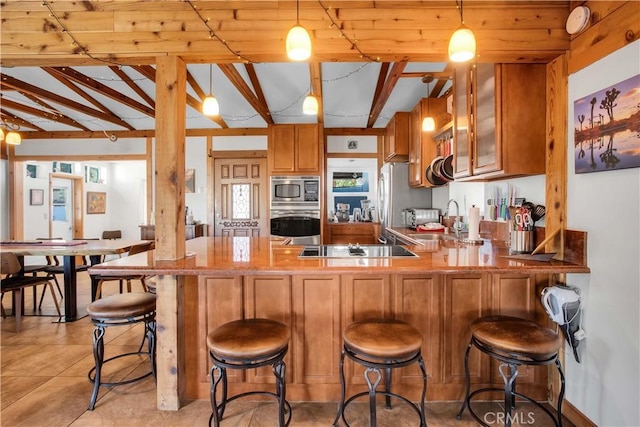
x,y
10,117
236,79
129,82
105,90
7,103
315,71
382,76
106,112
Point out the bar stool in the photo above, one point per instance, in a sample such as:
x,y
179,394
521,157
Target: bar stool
x,y
121,310
381,344
247,344
514,342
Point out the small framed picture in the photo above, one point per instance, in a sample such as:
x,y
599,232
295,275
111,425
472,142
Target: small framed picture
x,y
36,197
96,202
352,144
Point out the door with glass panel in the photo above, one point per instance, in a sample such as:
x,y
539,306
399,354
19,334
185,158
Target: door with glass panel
x,y
62,208
241,197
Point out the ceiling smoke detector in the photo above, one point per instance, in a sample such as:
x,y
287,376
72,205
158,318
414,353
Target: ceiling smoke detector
x,y
578,19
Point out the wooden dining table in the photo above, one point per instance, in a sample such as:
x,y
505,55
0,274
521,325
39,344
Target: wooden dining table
x,y
69,250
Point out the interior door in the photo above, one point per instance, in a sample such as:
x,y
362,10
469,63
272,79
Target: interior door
x,y
62,208
241,197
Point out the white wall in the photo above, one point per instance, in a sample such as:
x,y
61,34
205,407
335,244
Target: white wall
x,y
196,158
605,386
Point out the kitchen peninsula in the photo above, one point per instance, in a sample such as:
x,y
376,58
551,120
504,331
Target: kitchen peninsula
x,y
440,292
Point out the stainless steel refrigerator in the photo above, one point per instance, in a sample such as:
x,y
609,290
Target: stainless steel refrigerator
x,y
394,194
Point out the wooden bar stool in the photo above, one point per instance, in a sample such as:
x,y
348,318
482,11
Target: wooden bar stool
x,y
121,310
514,342
248,344
381,344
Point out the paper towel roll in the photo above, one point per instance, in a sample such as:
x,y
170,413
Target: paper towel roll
x,y
474,223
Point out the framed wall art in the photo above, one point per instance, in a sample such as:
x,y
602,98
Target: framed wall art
x,y
606,125
36,197
96,202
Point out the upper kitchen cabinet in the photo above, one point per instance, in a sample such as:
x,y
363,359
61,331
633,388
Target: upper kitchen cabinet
x,y
499,120
396,138
294,149
422,148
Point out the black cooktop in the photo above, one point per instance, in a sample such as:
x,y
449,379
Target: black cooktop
x,y
355,251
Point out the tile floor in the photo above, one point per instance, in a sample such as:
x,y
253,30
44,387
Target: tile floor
x,y
43,382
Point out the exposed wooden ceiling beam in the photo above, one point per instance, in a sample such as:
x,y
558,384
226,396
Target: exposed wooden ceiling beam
x,y
255,82
54,97
382,76
62,79
389,84
234,77
129,82
104,90
149,72
7,103
315,71
10,117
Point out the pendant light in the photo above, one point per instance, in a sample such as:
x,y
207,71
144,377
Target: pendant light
x,y
13,138
298,44
210,106
310,104
428,124
462,45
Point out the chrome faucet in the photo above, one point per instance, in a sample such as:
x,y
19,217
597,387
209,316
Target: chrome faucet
x,y
457,226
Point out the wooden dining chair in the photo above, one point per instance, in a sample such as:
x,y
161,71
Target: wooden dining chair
x,y
135,249
15,283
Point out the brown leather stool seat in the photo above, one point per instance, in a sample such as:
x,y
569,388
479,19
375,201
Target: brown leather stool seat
x,y
248,344
513,341
121,310
381,344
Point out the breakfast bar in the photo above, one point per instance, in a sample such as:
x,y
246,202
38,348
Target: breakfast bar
x,y
441,291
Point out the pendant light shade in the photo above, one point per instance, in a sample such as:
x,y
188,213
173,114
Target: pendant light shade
x,y
1,134
310,105
13,138
210,106
428,124
462,44
298,44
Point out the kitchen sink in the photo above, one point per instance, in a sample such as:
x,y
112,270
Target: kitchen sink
x,y
355,251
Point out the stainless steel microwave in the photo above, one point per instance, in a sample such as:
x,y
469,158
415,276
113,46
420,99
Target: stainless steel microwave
x,y
291,192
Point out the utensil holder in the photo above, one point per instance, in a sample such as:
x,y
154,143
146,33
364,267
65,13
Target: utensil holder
x,y
522,242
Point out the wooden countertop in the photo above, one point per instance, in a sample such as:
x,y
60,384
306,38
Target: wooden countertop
x,y
262,256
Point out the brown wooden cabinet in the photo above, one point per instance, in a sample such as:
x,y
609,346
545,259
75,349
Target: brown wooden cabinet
x,y
499,120
351,232
396,138
294,149
319,306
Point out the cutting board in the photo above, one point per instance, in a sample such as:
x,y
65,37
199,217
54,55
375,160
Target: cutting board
x,y
530,257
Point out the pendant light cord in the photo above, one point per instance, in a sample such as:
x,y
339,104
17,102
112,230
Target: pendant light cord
x,y
461,13
298,12
211,79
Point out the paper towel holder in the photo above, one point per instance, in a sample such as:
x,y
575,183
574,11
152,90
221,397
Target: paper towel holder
x,y
476,240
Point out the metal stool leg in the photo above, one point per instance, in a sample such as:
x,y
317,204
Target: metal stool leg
x,y
465,402
509,397
372,392
216,415
98,356
561,394
423,420
342,391
387,387
279,370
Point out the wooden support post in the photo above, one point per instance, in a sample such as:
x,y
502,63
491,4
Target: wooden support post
x,y
171,77
556,177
